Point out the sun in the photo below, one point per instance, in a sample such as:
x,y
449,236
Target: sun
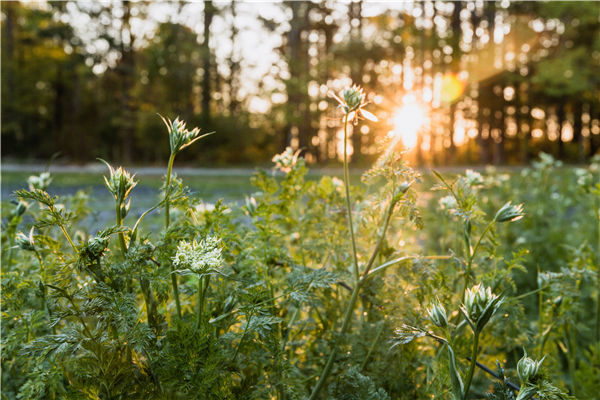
x,y
407,121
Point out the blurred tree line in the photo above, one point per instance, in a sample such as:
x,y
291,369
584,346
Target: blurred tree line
x,y
497,81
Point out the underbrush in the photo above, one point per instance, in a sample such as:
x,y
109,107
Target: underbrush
x,y
311,289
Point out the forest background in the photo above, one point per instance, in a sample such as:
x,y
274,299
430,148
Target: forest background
x,y
465,82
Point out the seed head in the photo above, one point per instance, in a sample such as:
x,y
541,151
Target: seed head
x,y
179,136
437,313
120,183
528,368
25,242
479,306
509,213
199,257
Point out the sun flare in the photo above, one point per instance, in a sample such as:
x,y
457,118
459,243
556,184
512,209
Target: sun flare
x,y
407,121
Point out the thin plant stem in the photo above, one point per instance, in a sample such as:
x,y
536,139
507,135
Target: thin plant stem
x,y
64,231
120,224
333,354
597,326
237,349
471,256
354,297
167,222
473,364
348,201
202,288
372,348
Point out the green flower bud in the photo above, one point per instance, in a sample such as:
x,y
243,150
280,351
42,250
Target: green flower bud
x,y
179,136
353,97
479,306
120,183
528,369
509,213
20,208
25,242
437,313
96,246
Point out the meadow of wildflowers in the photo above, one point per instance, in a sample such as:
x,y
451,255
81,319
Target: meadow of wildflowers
x,y
481,285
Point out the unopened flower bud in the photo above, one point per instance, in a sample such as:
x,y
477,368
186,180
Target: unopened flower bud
x,y
20,208
509,213
479,306
528,368
179,136
25,242
120,183
97,245
353,97
437,313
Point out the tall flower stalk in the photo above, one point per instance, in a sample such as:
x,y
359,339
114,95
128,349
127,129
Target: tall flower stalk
x,y
179,138
351,102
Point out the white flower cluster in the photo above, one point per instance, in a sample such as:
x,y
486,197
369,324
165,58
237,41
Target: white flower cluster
x,y
286,161
199,256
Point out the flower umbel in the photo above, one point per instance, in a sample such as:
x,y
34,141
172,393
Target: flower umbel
x,y
199,257
352,102
479,306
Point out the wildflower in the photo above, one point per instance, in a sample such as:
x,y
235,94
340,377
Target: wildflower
x,y
448,203
25,242
509,213
120,183
528,369
473,178
437,313
200,257
179,136
352,102
286,161
40,181
479,306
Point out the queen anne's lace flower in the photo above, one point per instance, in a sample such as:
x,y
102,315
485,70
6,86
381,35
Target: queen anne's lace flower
x,y
199,256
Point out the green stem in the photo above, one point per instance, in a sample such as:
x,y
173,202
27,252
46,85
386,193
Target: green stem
x,y
202,289
167,222
289,327
473,363
64,231
471,256
372,348
386,222
597,327
237,349
331,359
120,224
168,190
348,201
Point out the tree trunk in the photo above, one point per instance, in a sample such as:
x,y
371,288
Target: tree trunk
x,y
209,12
